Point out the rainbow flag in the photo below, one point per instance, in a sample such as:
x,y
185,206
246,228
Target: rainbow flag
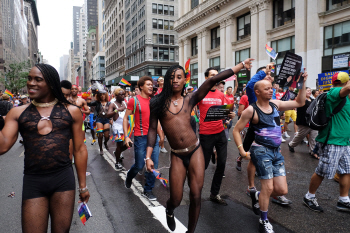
x,y
195,88
194,115
271,52
158,176
187,73
7,92
84,212
273,69
117,138
84,140
131,119
123,82
99,131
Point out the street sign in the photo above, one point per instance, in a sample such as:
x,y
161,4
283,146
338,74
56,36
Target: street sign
x,y
325,79
340,61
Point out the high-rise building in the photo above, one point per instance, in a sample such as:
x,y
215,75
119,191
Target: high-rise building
x,y
82,46
223,33
150,39
90,9
31,13
101,37
63,63
76,17
91,47
114,43
98,66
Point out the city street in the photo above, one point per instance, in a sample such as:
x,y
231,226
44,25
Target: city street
x,y
117,209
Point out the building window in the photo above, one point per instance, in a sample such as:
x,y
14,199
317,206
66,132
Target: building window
x,y
160,39
281,47
166,39
160,9
163,54
215,37
242,55
166,9
154,8
332,4
171,9
171,25
154,23
155,39
337,38
284,12
194,70
243,28
166,24
194,3
160,24
194,46
214,62
172,39
155,54
172,54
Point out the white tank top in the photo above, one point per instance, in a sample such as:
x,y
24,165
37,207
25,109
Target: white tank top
x,y
118,124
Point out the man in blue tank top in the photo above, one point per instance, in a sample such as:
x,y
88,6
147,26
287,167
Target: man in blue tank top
x,y
265,153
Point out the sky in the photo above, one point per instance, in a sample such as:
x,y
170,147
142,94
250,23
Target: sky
x,y
55,30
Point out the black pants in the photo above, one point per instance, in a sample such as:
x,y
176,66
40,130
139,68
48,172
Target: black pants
x,y
208,142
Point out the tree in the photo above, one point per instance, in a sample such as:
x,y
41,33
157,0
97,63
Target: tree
x,y
16,77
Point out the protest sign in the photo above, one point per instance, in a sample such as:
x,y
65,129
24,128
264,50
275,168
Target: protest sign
x,y
325,79
291,66
218,112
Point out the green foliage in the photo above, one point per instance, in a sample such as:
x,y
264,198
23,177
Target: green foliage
x,y
16,77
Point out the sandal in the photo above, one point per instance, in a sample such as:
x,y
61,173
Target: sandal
x,y
313,155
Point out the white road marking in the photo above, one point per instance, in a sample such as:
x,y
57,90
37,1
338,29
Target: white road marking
x,y
22,154
155,207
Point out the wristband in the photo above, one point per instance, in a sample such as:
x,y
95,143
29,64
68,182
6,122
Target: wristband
x,y
243,64
239,146
146,159
83,190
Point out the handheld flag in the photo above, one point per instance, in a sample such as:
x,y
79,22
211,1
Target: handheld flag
x,y
158,176
131,119
123,82
7,92
84,212
271,52
187,73
273,69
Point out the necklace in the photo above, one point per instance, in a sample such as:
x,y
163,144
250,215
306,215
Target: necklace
x,y
45,105
175,102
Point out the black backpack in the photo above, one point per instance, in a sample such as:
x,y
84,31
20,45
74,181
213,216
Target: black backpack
x,y
316,117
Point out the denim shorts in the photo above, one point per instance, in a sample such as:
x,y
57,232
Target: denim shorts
x,y
268,162
103,121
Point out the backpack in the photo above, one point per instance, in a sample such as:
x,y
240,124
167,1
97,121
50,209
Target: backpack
x,y
316,117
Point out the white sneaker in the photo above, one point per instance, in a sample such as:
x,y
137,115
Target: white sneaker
x,y
283,140
163,150
286,135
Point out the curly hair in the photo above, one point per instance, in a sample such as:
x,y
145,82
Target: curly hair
x,y
98,97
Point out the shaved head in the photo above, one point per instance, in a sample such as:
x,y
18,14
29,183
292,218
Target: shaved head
x,y
261,83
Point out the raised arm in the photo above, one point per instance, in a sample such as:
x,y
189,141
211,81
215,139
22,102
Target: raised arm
x,y
209,83
85,108
151,139
80,151
111,111
299,101
236,87
9,133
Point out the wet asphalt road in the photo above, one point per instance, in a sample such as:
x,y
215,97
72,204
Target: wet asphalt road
x,y
117,209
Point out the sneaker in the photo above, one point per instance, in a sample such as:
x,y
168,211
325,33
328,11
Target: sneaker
x,y
286,135
281,200
305,141
291,149
121,156
163,150
118,166
255,201
223,176
93,142
250,189
149,195
170,220
312,204
127,183
265,226
283,140
343,206
239,164
218,199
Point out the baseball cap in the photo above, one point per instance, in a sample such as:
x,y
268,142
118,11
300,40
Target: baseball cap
x,y
340,77
24,96
5,97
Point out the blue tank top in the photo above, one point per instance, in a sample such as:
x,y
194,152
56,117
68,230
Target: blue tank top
x,y
268,130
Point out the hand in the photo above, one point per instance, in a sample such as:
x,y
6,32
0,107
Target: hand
x,y
248,63
128,142
84,197
269,67
305,75
246,157
232,115
289,79
149,165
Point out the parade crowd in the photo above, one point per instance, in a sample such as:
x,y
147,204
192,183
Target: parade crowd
x,y
53,117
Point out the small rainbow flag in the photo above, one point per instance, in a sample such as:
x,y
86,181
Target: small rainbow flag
x,y
7,92
84,212
195,88
187,73
158,176
117,138
271,52
273,69
131,119
99,131
84,140
123,82
194,115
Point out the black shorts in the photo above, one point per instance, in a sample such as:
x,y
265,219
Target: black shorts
x,y
44,185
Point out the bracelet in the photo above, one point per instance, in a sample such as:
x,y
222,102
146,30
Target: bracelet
x,y
146,159
243,64
239,146
83,190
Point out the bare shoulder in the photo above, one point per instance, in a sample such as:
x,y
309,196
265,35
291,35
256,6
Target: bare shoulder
x,y
276,102
73,110
16,112
249,110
